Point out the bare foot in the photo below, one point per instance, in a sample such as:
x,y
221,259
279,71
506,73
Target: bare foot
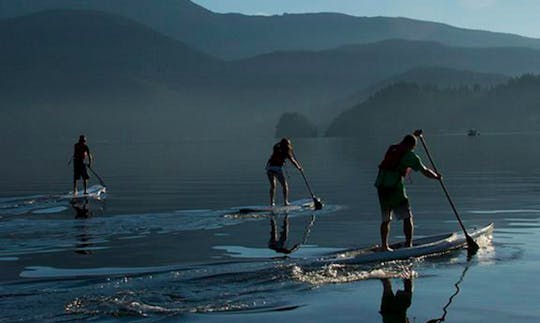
x,y
286,203
385,248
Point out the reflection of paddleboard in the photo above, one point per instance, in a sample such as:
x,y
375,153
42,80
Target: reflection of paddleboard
x,y
94,191
295,206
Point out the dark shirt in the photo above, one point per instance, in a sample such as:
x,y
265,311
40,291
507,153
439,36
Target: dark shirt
x,y
279,155
80,151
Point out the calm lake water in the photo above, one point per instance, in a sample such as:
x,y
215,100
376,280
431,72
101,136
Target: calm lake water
x,y
164,244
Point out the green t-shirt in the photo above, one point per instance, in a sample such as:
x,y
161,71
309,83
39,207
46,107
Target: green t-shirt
x,y
394,182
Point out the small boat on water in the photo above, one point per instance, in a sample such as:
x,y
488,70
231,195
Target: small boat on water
x,y
430,245
473,133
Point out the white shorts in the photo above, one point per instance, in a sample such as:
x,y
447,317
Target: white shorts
x,y
276,171
402,212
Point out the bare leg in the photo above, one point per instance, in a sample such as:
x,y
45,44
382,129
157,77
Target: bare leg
x,y
408,231
385,230
285,187
85,183
272,179
74,187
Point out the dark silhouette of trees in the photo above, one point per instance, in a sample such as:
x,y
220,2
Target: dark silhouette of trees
x,y
400,107
295,125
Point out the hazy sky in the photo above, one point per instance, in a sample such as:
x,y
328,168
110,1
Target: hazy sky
x,y
513,16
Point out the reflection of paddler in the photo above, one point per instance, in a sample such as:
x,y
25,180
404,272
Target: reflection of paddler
x,y
394,306
81,208
82,212
279,244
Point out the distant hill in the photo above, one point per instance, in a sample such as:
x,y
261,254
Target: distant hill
x,y
398,108
62,71
340,72
62,49
66,61
233,36
66,46
392,57
441,77
295,125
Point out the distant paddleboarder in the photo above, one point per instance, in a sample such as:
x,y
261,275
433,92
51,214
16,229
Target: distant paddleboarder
x,y
81,152
282,151
398,161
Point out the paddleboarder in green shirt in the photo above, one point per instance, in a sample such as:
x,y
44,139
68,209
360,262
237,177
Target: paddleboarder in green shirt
x,y
398,161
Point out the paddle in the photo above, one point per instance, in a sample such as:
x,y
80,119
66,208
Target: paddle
x,y
97,176
316,201
472,246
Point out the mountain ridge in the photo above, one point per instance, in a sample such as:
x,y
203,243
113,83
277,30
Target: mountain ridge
x,y
235,36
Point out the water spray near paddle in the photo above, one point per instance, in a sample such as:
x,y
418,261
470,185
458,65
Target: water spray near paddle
x,y
472,246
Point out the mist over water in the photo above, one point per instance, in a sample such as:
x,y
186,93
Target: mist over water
x,y
165,241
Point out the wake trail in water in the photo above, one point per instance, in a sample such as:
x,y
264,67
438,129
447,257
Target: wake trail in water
x,y
268,285
46,203
40,234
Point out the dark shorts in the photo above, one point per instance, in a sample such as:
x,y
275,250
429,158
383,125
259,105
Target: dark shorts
x,y
79,170
392,203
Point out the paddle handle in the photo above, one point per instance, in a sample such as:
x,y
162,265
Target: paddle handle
x,y
442,184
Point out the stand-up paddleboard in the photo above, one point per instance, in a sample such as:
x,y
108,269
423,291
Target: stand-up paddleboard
x,y
94,191
295,206
430,245
48,203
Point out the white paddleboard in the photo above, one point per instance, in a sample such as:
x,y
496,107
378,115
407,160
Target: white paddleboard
x,y
94,191
295,206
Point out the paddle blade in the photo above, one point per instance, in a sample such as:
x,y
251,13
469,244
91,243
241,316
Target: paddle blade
x,y
472,246
317,203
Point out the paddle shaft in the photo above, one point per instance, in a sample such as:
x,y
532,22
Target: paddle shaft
x,y
444,187
306,181
98,177
307,184
316,201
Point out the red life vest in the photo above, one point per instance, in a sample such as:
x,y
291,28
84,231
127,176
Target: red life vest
x,y
393,157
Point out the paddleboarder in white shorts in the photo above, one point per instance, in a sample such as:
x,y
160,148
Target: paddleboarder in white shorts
x,y
282,151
